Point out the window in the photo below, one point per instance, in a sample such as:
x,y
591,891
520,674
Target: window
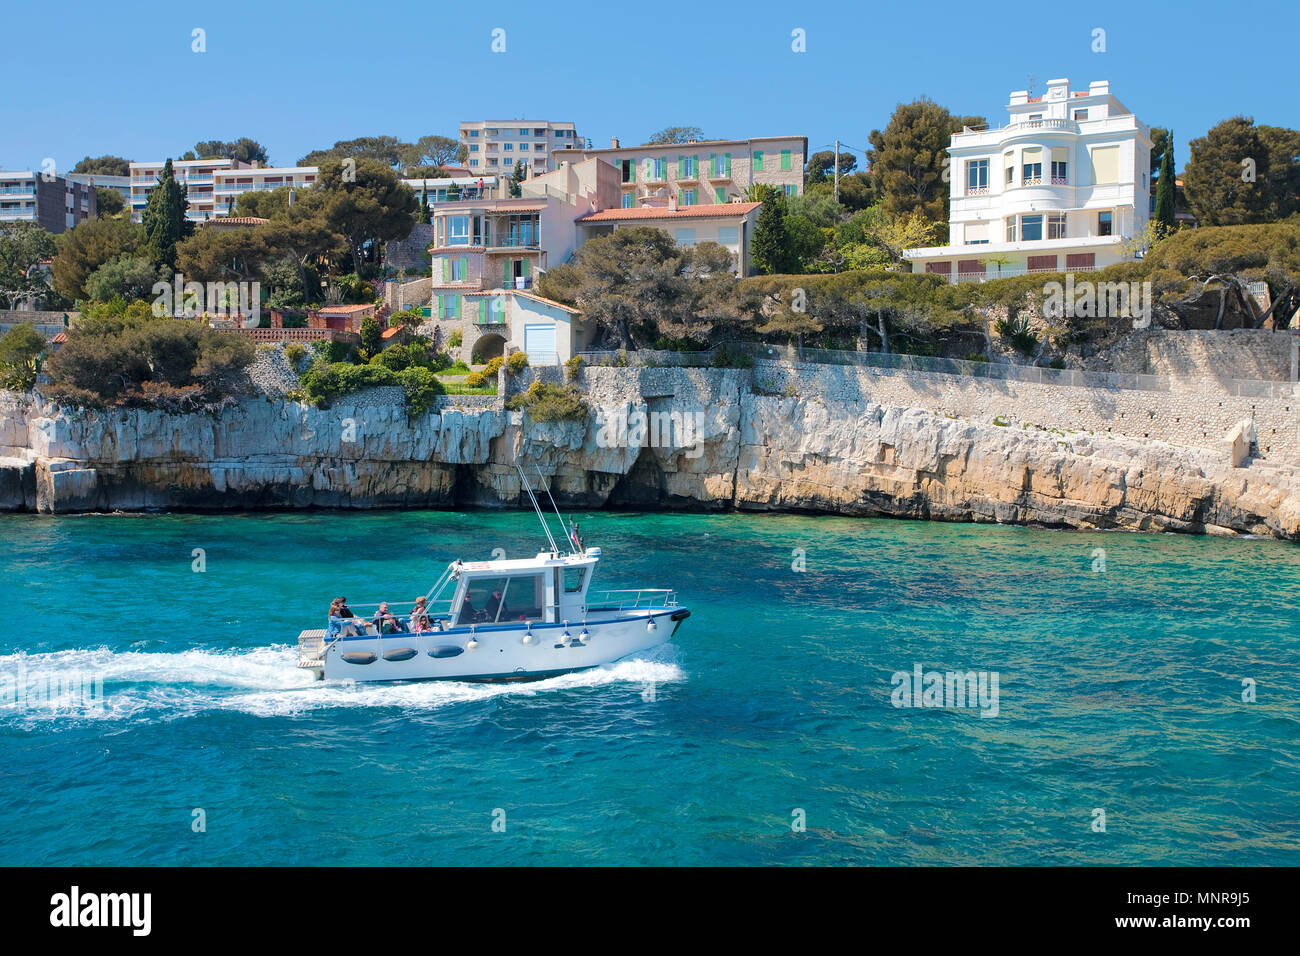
x,y
473,133
459,269
688,197
656,169
720,194
1031,228
1080,115
628,169
729,235
684,237
539,132
495,600
1056,225
629,200
1105,164
1011,229
758,161
492,131
523,147
573,579
785,159
789,189
473,147
977,177
473,162
688,167
1059,169
458,230
508,146
450,306
523,132
1105,224
1031,168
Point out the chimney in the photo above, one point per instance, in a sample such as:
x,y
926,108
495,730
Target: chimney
x,y
672,202
613,143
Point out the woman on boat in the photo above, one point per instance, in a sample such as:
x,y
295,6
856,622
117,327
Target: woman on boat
x,y
339,611
420,617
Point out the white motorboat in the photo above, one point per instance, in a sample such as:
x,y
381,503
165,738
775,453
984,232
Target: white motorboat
x,y
506,620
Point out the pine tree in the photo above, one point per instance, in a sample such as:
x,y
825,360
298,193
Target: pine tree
x,y
424,204
1165,187
164,217
770,252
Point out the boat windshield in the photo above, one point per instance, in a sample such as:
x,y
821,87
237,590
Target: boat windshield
x,y
497,600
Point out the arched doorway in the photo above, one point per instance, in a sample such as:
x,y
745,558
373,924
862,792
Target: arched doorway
x,y
488,347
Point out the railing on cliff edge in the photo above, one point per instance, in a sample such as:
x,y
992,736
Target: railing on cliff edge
x,y
997,371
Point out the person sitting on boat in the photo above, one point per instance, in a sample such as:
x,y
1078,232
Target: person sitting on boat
x,y
339,612
385,622
494,606
420,616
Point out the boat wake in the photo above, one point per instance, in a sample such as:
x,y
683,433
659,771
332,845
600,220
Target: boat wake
x,y
139,685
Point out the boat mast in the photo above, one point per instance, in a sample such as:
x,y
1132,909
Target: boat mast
x,y
536,507
544,484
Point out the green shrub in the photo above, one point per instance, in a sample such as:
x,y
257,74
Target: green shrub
x,y
572,368
294,352
20,352
1018,333
550,403
149,362
332,351
323,382
421,387
457,368
454,340
493,366
1057,362
517,363
475,379
397,358
732,356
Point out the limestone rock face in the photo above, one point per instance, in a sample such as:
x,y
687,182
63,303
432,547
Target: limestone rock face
x,y
690,438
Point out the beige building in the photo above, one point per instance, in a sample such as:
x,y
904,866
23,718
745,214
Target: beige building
x,y
705,172
492,147
213,186
731,225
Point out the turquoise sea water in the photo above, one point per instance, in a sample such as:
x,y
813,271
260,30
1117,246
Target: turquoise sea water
x,y
1119,690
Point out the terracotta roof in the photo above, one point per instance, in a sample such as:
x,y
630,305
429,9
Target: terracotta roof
x,y
390,332
235,221
526,295
349,309
663,212
60,338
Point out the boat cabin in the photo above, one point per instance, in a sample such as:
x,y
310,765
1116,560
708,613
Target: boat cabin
x,y
548,589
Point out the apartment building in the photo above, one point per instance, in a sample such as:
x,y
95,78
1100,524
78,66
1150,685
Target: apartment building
x,y
494,146
51,202
705,172
1063,186
214,185
121,184
230,183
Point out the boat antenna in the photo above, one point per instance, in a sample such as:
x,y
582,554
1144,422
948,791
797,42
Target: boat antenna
x,y
536,507
546,485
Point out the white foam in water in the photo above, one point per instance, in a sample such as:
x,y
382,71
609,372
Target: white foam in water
x,y
265,682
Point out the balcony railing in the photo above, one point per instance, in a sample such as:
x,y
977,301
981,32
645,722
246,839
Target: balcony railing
x,y
1060,181
19,192
1032,181
1064,124
977,190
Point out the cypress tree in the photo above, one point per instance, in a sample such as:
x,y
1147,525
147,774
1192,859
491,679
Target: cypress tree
x,y
164,217
1165,187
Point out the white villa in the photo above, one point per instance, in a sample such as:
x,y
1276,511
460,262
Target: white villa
x,y
1061,187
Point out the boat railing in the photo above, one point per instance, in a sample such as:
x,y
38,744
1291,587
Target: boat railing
x,y
632,598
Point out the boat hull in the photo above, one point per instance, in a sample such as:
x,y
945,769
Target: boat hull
x,y
499,652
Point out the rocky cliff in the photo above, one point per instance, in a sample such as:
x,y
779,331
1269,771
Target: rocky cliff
x,y
656,438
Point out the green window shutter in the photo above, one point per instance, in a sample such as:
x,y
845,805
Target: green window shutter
x,y
526,264
785,159
726,160
680,161
713,164
758,161
695,165
455,306
464,268
720,194
505,283
438,314
482,310
632,164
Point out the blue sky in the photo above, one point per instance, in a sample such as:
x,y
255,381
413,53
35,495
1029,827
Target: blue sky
x,y
86,78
